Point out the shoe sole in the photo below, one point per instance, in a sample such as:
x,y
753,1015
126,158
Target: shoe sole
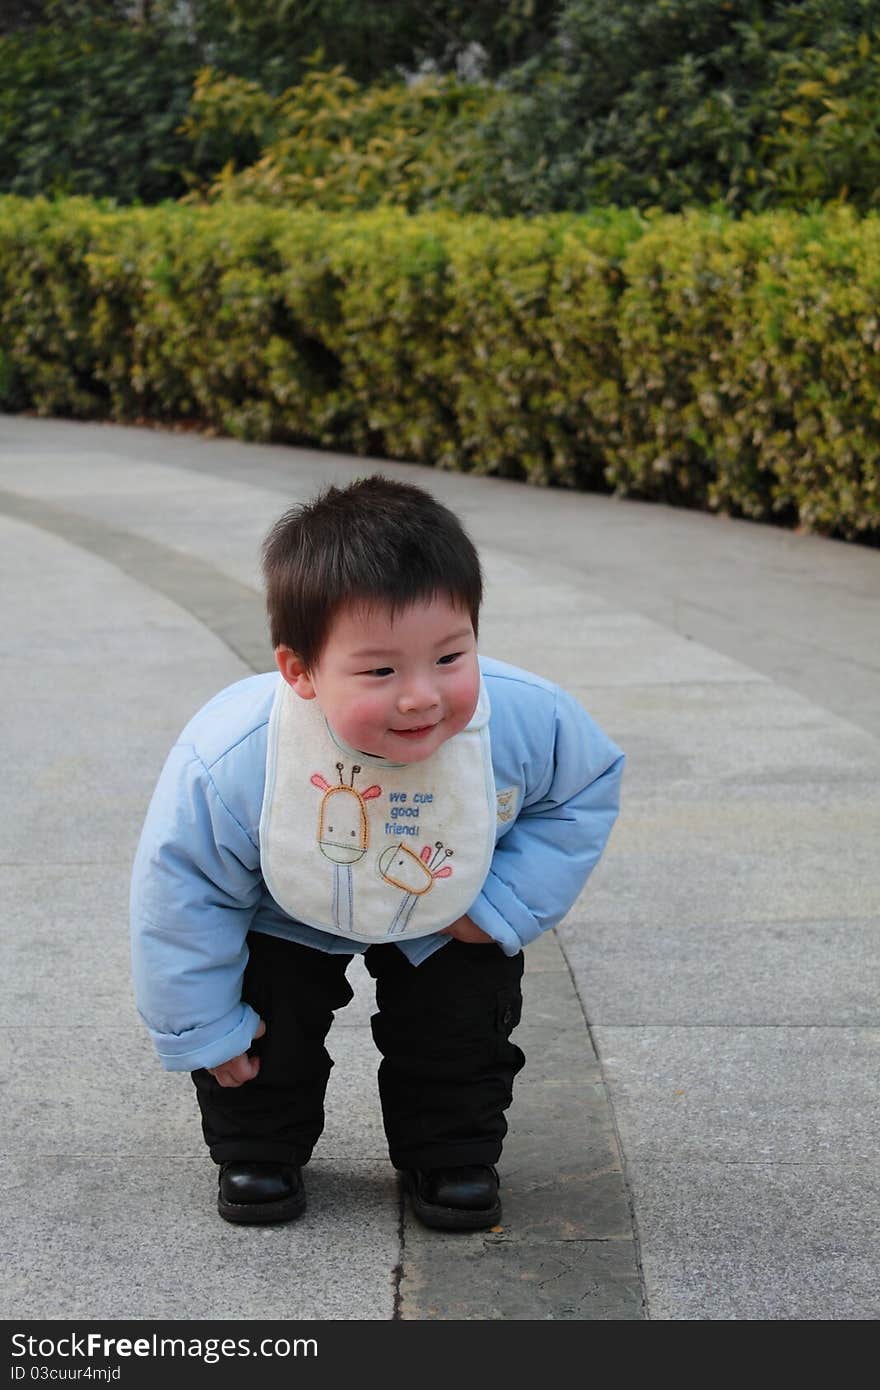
x,y
451,1218
262,1213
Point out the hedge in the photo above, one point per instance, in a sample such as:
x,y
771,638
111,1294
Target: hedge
x,y
705,361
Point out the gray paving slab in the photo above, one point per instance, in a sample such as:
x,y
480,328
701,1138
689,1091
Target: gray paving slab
x,y
76,1098
612,648
712,1113
756,733
726,886
95,1239
727,973
57,924
760,1241
739,1094
575,1280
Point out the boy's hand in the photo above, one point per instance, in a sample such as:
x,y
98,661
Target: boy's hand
x,y
466,930
239,1069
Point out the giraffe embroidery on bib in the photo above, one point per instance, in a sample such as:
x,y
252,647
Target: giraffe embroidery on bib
x,y
414,875
343,836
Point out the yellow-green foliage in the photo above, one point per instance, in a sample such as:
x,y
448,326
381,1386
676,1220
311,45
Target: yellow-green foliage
x,y
334,144
823,144
47,304
751,367
733,365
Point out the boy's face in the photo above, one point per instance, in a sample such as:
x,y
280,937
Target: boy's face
x,y
396,689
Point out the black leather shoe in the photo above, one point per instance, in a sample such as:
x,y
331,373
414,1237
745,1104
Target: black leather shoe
x,y
455,1199
252,1192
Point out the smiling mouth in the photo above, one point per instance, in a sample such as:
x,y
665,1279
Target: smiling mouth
x,y
414,733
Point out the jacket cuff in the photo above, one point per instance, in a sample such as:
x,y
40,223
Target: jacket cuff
x,y
210,1044
499,912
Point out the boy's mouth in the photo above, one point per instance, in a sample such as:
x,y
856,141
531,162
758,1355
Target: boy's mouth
x,y
414,733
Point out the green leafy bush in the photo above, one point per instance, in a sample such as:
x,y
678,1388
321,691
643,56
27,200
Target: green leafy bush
x,y
826,142
94,109
750,351
333,144
46,303
693,358
574,104
670,103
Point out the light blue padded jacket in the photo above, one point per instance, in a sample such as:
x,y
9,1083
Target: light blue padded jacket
x,y
197,887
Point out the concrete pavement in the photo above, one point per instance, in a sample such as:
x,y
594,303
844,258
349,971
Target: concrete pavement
x,y
695,1135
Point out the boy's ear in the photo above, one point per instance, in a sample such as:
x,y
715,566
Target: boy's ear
x,y
294,672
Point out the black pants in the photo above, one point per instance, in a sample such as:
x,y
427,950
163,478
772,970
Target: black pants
x,y
443,1030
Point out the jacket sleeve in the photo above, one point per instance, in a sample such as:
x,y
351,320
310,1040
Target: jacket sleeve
x,y
196,883
541,864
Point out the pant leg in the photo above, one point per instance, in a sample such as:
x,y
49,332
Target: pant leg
x,y
279,1115
447,1070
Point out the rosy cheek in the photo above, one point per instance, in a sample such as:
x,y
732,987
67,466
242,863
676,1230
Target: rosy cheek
x,y
366,710
469,689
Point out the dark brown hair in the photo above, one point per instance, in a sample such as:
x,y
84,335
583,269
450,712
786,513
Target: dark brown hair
x,y
376,542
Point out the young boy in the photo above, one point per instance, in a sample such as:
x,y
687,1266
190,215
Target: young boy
x,y
389,793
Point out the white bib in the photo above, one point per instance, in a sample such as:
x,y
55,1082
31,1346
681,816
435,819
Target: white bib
x,y
369,849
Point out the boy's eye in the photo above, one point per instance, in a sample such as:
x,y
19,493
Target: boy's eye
x,y
380,671
448,660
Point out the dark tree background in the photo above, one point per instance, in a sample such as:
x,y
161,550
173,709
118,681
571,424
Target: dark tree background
x,y
667,103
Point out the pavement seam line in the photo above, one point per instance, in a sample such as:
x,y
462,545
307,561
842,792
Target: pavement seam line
x,y
398,1270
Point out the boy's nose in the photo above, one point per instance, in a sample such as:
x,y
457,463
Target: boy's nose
x,y
416,697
